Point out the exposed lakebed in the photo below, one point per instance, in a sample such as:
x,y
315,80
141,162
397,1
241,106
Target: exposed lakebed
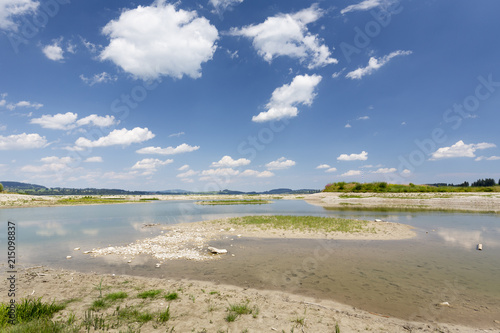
x,y
405,278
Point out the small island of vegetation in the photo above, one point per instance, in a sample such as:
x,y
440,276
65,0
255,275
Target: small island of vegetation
x,y
234,202
481,185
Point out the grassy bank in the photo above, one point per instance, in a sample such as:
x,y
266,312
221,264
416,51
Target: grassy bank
x,y
303,223
383,187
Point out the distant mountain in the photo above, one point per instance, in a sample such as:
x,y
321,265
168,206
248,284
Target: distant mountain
x,y
176,191
12,186
18,187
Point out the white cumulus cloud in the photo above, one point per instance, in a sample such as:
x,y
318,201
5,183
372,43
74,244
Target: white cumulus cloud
x,y
365,5
98,78
323,166
363,156
227,161
54,51
122,137
59,121
158,40
385,170
222,5
20,104
258,174
460,149
351,173
9,9
50,164
22,141
183,148
374,64
188,173
184,167
68,121
150,163
280,163
287,35
331,170
490,158
220,172
94,159
285,98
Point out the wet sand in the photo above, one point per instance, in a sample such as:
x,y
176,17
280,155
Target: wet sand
x,y
203,306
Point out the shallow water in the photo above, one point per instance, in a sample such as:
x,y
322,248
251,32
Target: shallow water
x,y
405,279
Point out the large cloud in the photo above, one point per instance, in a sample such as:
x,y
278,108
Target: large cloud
x,y
158,40
12,8
122,137
22,141
460,149
285,98
374,64
287,35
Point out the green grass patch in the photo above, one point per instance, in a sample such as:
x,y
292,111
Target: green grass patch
x,y
383,187
87,200
302,223
149,199
172,296
29,309
149,293
116,296
164,316
233,202
99,304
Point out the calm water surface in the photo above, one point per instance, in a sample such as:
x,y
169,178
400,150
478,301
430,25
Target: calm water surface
x,y
404,278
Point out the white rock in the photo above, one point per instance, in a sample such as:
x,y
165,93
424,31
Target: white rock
x,y
216,250
129,261
378,220
444,304
76,249
480,247
87,252
68,257
158,265
238,235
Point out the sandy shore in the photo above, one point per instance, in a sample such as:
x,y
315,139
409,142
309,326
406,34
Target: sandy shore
x,y
203,306
467,202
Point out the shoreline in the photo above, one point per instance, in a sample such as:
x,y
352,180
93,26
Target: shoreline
x,y
477,202
271,310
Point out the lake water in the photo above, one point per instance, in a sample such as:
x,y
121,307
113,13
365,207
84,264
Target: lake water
x,y
405,279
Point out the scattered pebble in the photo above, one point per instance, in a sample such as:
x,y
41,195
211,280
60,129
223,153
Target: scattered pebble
x,y
76,249
444,304
68,257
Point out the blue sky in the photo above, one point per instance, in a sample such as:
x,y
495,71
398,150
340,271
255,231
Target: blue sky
x,y
248,95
